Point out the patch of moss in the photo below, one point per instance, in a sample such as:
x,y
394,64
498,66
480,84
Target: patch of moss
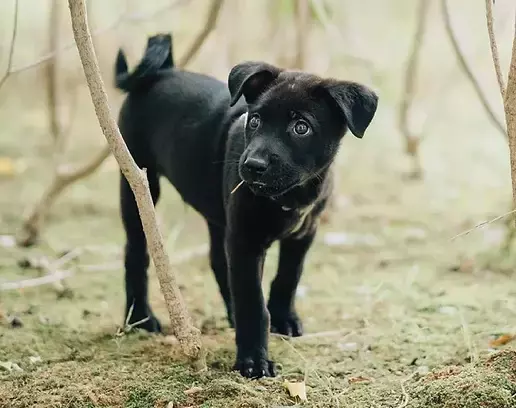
x,y
489,384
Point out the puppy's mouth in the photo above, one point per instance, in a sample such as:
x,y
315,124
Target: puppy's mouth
x,y
261,188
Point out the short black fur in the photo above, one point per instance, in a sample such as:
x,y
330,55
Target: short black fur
x,y
275,130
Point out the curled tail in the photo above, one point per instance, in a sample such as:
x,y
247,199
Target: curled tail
x,y
157,59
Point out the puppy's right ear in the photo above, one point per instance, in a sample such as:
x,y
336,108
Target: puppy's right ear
x,y
250,79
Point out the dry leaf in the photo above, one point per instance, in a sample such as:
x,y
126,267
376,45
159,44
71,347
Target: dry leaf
x,y
170,405
193,390
502,340
6,166
296,389
358,379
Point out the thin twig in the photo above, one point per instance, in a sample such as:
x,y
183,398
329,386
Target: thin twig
x,y
237,187
483,224
65,176
308,336
11,47
125,17
406,396
412,141
467,69
43,280
494,47
208,27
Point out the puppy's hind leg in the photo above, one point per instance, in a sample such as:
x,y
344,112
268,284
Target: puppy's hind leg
x,y
219,266
136,256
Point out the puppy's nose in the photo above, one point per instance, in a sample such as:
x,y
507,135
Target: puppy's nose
x,y
256,165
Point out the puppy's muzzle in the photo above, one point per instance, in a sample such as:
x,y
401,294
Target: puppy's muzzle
x,y
255,167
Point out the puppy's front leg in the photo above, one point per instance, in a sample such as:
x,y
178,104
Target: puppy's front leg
x,y
245,260
284,319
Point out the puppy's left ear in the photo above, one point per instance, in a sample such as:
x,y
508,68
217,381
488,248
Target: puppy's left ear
x,y
250,79
356,102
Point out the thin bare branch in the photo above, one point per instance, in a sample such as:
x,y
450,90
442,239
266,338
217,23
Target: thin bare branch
x,y
124,17
51,74
494,47
510,115
189,336
11,47
412,141
43,280
211,22
467,69
65,176
483,224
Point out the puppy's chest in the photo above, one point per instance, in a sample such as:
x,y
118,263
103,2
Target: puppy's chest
x,y
299,222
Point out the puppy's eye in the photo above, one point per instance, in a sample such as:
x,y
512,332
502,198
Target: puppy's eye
x,y
255,122
301,128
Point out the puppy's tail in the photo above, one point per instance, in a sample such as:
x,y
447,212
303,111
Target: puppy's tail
x,y
156,60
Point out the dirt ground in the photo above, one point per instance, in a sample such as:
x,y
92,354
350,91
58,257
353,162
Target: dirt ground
x,y
398,313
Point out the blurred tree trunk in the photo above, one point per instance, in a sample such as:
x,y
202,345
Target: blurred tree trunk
x,y
412,141
189,337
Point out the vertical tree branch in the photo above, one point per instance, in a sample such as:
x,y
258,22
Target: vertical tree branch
x,y
412,141
510,115
302,17
189,337
211,22
51,75
11,47
494,47
467,69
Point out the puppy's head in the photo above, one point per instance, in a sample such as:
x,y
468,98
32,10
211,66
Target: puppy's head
x,y
294,123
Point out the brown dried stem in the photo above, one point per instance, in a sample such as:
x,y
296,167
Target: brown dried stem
x,y
412,141
510,115
11,46
211,22
65,176
494,47
467,69
188,336
51,74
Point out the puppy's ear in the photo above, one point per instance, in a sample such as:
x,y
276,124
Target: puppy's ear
x,y
250,79
356,102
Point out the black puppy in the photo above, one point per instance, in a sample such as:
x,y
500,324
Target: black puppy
x,y
256,167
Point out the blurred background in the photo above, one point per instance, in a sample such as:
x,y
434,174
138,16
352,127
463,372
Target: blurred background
x,y
387,267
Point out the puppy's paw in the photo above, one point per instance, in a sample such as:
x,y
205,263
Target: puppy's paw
x,y
145,320
286,323
255,368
